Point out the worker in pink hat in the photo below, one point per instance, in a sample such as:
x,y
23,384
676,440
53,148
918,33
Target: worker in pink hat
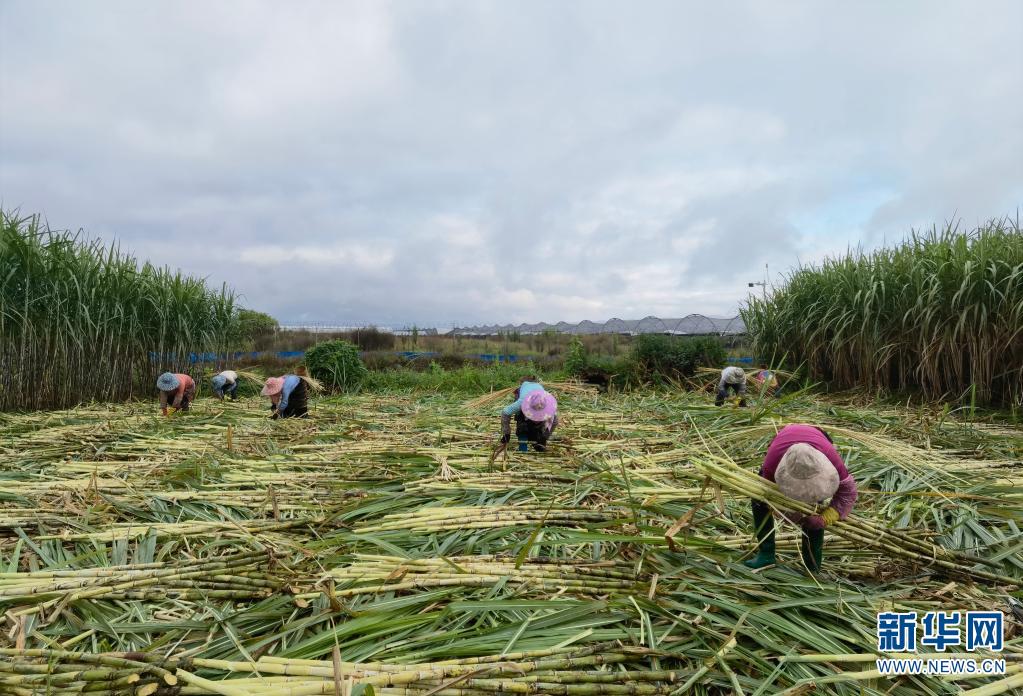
x,y
536,416
289,396
807,467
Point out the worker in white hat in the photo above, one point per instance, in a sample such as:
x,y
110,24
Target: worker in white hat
x,y
807,467
732,379
226,383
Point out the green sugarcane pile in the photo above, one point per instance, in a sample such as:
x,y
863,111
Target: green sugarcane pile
x,y
564,670
378,545
369,574
426,520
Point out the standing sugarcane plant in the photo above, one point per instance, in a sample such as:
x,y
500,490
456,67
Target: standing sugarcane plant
x,y
942,314
80,321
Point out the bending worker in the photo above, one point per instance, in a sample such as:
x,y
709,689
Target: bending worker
x,y
766,380
805,464
732,378
536,416
176,392
226,383
289,396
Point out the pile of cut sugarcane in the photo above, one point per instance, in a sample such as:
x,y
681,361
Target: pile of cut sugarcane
x,y
378,547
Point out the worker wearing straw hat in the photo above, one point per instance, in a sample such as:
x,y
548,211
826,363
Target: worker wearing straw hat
x,y
176,392
732,379
536,416
289,396
807,467
226,383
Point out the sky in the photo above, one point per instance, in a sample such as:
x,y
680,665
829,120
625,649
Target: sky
x,y
469,162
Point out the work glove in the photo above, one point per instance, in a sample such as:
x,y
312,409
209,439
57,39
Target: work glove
x,y
506,438
170,411
830,516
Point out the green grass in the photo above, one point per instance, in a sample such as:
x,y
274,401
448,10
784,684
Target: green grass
x,y
468,380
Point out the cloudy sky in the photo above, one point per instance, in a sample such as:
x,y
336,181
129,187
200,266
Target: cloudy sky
x,y
507,161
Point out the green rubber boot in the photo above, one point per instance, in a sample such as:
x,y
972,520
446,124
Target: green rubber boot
x,y
811,548
763,525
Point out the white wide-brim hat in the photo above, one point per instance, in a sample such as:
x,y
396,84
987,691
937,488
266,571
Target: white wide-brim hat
x,y
806,474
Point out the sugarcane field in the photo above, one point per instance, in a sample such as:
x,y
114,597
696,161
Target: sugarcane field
x,y
379,544
475,348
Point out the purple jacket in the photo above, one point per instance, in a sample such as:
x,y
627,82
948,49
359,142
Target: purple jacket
x,y
845,496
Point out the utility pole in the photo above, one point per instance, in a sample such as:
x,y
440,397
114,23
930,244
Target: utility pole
x,y
762,284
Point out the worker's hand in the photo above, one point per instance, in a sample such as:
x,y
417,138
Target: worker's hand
x,y
506,438
829,516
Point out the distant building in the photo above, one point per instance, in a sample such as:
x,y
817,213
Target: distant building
x,y
692,325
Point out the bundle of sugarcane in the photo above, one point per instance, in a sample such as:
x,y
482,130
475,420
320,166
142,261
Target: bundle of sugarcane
x,y
855,528
489,481
428,520
237,575
369,574
191,529
570,670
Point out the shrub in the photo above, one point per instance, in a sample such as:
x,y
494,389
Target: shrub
x,y
656,356
577,359
469,380
382,360
370,338
451,361
604,372
254,330
336,364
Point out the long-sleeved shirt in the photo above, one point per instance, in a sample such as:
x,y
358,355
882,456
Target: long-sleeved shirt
x,y
290,382
732,375
843,499
186,387
511,409
230,377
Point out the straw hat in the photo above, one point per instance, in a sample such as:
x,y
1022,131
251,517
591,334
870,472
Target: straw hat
x,y
167,382
273,385
806,474
219,381
539,406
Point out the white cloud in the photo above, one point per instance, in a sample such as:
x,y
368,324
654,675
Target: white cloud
x,y
480,162
356,257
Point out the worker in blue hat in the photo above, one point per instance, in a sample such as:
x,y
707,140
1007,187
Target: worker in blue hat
x,y
226,384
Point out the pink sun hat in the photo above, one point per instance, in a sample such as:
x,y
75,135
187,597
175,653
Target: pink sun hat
x,y
539,406
273,385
